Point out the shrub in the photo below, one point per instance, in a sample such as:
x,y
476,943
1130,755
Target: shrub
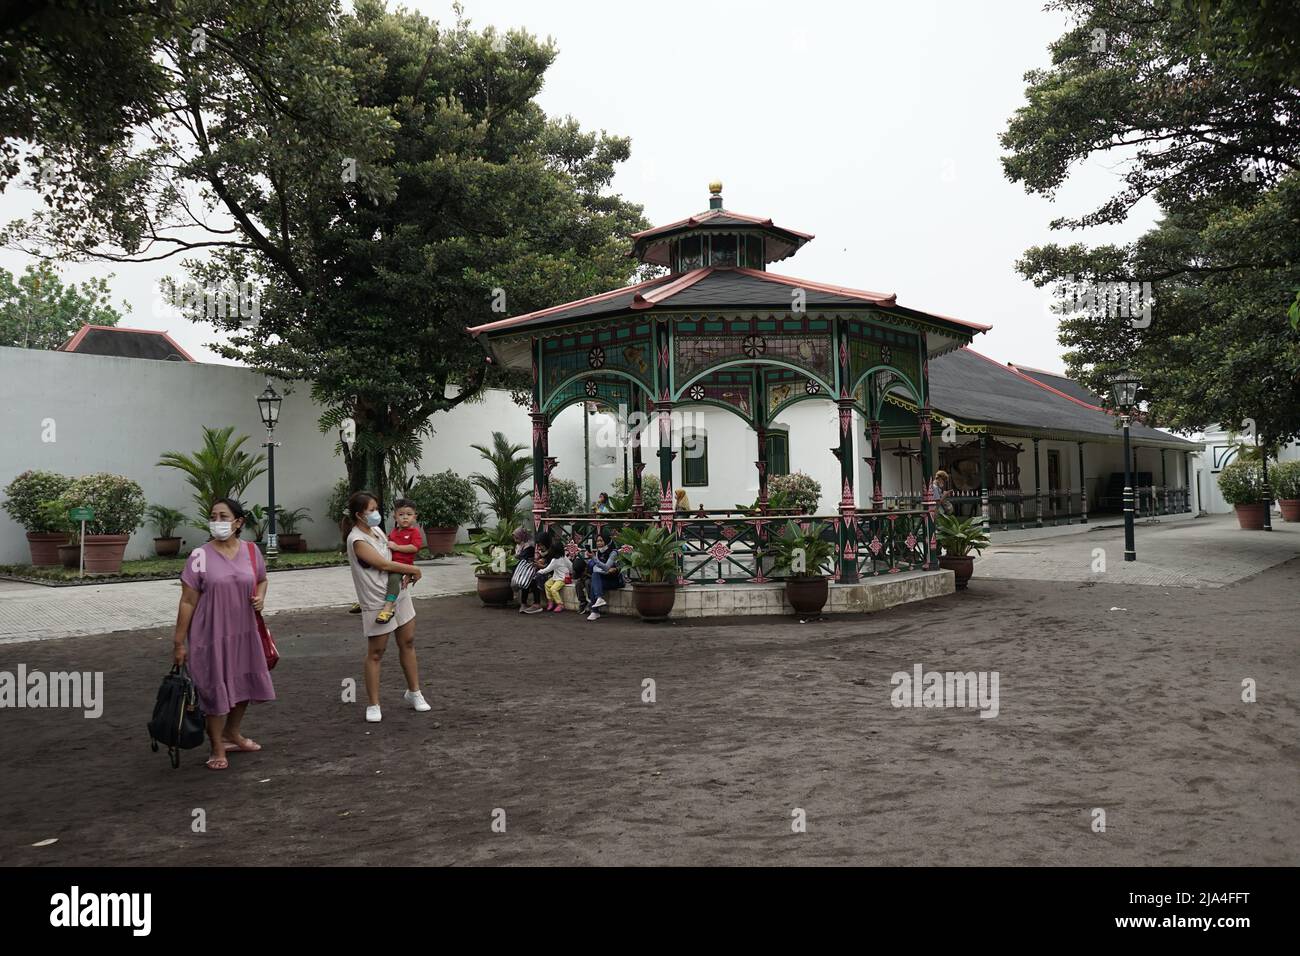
x,y
649,491
566,497
802,492
509,482
810,546
337,506
118,502
25,495
1242,483
220,469
960,536
444,500
1285,479
650,555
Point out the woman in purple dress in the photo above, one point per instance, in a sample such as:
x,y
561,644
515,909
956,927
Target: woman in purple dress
x,y
223,585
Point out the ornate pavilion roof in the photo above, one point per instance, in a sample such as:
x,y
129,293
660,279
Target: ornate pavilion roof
x,y
652,245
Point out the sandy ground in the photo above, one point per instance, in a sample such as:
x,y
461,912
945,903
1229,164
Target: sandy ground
x,y
1136,711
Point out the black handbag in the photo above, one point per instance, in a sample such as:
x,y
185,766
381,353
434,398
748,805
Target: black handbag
x,y
177,720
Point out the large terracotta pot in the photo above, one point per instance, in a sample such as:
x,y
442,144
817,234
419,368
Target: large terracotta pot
x,y
1251,517
654,602
494,589
962,568
807,595
289,542
70,556
440,540
1290,509
166,547
104,552
45,547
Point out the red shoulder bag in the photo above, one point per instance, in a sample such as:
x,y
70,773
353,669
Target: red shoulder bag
x,y
268,642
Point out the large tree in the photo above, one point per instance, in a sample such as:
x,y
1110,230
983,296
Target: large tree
x,y
381,180
39,311
1196,103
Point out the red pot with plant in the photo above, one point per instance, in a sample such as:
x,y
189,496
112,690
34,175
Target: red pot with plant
x,y
28,499
119,506
1243,486
443,502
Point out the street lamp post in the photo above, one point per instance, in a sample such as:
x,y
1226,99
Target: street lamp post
x,y
268,403
1124,386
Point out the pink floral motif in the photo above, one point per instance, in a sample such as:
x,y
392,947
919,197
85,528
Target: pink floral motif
x,y
910,541
730,533
570,550
719,551
934,543
875,546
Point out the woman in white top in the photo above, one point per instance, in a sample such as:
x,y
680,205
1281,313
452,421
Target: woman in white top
x,y
371,562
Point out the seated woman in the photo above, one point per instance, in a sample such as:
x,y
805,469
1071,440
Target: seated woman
x,y
605,575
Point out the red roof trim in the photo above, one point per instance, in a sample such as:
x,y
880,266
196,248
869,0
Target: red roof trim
x,y
658,295
878,298
515,320
702,219
1012,370
72,343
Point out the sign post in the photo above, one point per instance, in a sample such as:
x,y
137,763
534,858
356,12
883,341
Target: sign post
x,y
83,515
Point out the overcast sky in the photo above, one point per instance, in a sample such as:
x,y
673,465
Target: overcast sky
x,y
873,125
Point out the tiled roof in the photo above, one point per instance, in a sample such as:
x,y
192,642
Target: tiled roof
x,y
781,242
976,389
125,343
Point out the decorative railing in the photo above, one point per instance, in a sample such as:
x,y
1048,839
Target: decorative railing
x,y
1052,507
723,546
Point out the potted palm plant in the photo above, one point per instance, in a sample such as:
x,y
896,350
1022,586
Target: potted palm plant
x,y
286,526
958,537
24,497
220,469
165,521
493,554
337,510
806,557
118,504
1243,486
1286,485
443,503
507,486
650,558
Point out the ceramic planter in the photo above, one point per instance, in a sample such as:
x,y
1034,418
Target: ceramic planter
x,y
962,568
1290,509
807,595
70,556
1251,516
166,547
493,589
654,601
289,542
104,553
44,546
440,540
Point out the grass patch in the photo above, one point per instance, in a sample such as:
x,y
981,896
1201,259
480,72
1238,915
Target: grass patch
x,y
151,569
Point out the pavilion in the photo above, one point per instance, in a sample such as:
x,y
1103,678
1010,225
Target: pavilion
x,y
719,330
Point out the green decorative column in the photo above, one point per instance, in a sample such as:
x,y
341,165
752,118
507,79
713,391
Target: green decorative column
x,y
984,478
541,428
1038,490
847,532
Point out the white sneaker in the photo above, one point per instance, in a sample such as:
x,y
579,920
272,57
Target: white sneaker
x,y
416,699
593,616
599,602
373,716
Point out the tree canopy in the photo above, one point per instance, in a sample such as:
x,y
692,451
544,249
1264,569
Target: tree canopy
x,y
379,180
1198,102
39,311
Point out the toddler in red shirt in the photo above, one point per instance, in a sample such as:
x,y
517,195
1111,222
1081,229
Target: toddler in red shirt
x,y
405,542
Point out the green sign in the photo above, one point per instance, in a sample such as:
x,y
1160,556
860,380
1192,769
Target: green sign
x,y
82,514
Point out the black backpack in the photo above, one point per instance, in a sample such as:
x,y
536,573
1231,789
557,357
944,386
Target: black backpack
x,y
177,720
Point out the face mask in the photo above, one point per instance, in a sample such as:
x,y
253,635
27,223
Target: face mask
x,y
221,530
373,518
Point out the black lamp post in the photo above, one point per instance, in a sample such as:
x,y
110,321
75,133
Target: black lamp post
x,y
268,403
1124,386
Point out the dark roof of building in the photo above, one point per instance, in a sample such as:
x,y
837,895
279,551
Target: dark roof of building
x,y
125,343
976,389
651,245
1059,382
713,288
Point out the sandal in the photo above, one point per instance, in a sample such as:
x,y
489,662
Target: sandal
x,y
355,608
253,747
217,763
383,617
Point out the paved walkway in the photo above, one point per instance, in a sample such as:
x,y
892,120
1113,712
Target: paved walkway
x,y
1208,552
1203,553
31,612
